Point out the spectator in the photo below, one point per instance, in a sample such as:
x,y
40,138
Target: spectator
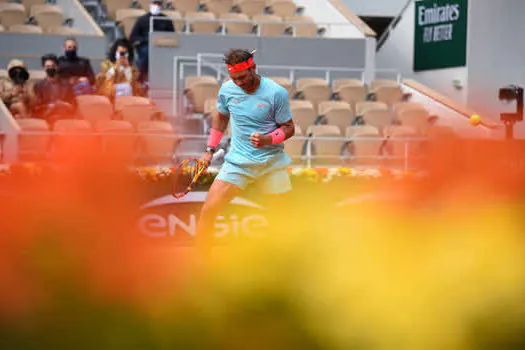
x,y
140,34
54,96
15,90
77,70
120,76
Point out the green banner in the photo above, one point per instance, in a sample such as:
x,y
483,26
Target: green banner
x,y
440,38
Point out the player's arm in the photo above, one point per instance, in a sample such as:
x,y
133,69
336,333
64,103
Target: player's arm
x,y
283,117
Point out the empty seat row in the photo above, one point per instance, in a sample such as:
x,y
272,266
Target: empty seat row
x,y
360,144
45,15
315,90
227,23
133,109
36,29
151,141
283,8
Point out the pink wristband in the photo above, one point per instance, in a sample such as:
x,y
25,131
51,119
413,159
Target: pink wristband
x,y
215,138
278,136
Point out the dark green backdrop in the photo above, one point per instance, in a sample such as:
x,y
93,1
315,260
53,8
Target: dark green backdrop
x,y
442,44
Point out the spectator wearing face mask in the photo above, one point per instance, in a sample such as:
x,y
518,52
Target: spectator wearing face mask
x,y
54,96
119,76
140,34
77,70
15,90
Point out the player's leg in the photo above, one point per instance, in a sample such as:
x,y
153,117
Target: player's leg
x,y
226,186
277,186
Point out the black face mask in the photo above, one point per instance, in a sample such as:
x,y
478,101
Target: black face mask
x,y
51,72
18,75
71,54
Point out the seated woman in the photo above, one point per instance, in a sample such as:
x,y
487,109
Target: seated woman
x,y
120,76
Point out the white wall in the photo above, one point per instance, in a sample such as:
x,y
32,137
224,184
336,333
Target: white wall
x,y
378,8
496,54
323,11
398,53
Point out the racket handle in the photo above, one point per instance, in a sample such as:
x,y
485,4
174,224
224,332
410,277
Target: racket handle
x,y
218,154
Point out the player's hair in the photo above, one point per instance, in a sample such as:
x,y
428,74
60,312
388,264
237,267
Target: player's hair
x,y
235,56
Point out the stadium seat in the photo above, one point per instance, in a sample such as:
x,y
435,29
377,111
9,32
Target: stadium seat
x,y
78,142
63,30
210,106
336,113
378,118
127,18
136,114
326,152
351,94
122,13
316,94
236,27
122,101
200,92
122,142
25,28
305,26
12,14
47,15
389,94
282,8
303,113
186,6
178,23
337,84
294,148
33,147
270,29
365,151
218,7
114,5
363,106
302,82
192,79
374,84
94,109
154,148
204,27
353,130
28,4
415,118
250,7
285,83
403,106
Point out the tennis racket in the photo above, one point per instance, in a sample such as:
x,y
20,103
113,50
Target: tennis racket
x,y
186,175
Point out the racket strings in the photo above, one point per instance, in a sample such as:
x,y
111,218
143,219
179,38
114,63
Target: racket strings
x,y
186,175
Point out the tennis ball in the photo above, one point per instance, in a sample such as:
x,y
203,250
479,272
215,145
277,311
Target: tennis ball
x,y
475,119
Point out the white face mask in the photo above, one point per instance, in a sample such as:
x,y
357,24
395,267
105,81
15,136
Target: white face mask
x,y
154,9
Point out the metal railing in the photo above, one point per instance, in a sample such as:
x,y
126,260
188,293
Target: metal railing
x,y
215,62
308,154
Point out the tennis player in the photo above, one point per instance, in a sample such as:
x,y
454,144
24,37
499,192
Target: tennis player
x,y
259,112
